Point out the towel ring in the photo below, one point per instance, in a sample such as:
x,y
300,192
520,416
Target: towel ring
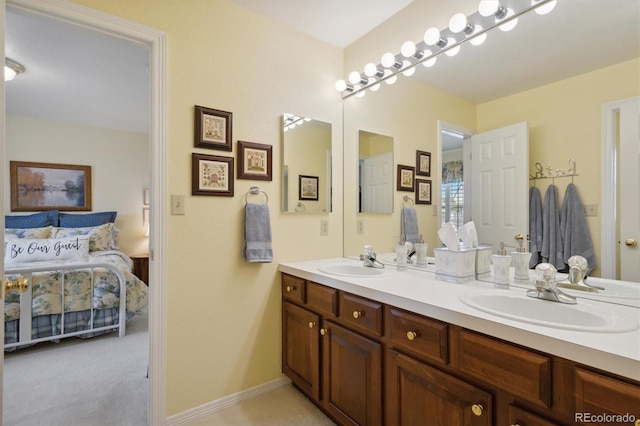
x,y
300,207
255,190
407,198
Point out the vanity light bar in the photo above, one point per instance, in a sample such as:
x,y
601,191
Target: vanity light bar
x,y
473,28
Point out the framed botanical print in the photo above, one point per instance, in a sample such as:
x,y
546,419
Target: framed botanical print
x,y
308,187
212,175
212,128
423,163
254,161
423,191
405,178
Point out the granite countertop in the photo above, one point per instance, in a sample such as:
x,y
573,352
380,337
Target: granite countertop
x,y
420,292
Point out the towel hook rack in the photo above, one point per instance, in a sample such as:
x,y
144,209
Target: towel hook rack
x,y
255,191
549,172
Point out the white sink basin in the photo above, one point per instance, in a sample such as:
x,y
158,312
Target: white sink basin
x,y
351,270
583,316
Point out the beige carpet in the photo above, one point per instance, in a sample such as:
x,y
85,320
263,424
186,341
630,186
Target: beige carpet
x,y
284,406
98,381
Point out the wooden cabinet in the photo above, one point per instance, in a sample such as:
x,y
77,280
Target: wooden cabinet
x,y
141,267
367,363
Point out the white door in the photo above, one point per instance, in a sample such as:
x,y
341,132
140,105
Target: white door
x,y
629,179
377,183
500,185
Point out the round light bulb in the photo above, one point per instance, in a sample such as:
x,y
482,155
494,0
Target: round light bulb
x,y
390,80
388,60
509,25
478,40
488,7
361,93
432,36
374,87
9,73
341,85
457,23
408,71
408,49
354,77
454,50
429,62
543,10
370,69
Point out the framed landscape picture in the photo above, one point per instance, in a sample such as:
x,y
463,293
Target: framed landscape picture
x,y
48,186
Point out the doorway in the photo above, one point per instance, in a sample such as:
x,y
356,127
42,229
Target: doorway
x,y
156,42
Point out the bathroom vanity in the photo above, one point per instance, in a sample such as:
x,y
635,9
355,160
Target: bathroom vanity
x,y
401,348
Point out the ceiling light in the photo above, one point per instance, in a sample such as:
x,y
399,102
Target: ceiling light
x,y
371,70
544,9
459,23
12,69
433,38
388,60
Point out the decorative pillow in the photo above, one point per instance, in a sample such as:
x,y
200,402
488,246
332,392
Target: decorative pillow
x,y
33,250
37,220
69,220
103,237
46,232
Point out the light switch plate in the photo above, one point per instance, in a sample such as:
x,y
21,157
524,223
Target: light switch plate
x,y
177,204
324,227
590,209
360,226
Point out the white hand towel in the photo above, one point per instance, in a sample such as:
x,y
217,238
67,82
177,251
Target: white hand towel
x,y
257,233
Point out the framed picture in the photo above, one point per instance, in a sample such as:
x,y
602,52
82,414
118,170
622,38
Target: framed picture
x,y
254,161
212,175
47,186
212,128
406,175
307,187
423,191
423,163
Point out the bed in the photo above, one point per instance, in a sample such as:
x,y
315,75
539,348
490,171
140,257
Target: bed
x,y
67,281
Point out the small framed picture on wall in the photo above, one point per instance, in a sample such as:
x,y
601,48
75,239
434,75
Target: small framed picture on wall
x,y
405,178
423,191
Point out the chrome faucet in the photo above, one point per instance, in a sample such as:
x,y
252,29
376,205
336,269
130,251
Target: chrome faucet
x,y
546,286
577,278
369,258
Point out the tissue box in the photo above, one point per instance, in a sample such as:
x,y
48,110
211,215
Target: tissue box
x,y
483,263
456,266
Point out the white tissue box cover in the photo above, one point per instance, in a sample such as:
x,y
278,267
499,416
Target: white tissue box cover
x,y
483,262
457,266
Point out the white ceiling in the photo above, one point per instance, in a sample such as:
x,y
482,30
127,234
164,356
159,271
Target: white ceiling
x,y
83,76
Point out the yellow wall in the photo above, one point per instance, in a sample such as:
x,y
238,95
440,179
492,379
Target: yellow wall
x,y
565,122
223,314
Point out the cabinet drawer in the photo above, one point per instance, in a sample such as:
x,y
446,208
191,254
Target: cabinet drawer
x,y
361,313
520,417
418,335
293,288
322,299
516,370
598,394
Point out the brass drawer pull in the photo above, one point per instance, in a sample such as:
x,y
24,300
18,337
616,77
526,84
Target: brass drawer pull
x,y
312,324
291,288
411,335
357,314
477,409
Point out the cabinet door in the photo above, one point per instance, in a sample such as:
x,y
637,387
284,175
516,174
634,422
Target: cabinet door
x,y
418,394
301,348
352,376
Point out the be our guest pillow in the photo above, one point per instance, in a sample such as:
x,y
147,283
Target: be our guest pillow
x,y
33,250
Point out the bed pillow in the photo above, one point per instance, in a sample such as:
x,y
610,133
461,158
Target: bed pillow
x,y
33,250
45,232
103,237
70,220
36,220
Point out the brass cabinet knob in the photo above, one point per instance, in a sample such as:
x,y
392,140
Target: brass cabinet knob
x,y
515,424
357,314
324,331
411,335
312,324
637,422
290,288
477,409
630,242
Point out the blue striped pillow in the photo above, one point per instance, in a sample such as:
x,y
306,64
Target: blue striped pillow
x,y
68,220
36,220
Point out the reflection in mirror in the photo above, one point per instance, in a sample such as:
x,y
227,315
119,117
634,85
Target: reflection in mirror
x,y
375,173
306,170
452,180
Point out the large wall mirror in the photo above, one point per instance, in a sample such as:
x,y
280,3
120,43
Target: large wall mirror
x,y
562,107
306,170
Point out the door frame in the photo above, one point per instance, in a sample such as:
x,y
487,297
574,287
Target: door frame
x,y
608,199
156,41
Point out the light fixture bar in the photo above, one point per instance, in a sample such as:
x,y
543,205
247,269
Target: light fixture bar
x,y
395,70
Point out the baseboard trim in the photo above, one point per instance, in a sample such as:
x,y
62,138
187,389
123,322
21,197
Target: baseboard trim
x,y
227,401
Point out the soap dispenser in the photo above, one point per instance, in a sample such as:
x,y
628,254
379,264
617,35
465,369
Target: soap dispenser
x,y
501,263
521,259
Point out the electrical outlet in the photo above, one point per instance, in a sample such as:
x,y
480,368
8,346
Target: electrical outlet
x,y
590,209
360,226
177,204
324,227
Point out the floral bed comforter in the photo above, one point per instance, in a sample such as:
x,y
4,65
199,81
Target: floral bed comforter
x,y
47,294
